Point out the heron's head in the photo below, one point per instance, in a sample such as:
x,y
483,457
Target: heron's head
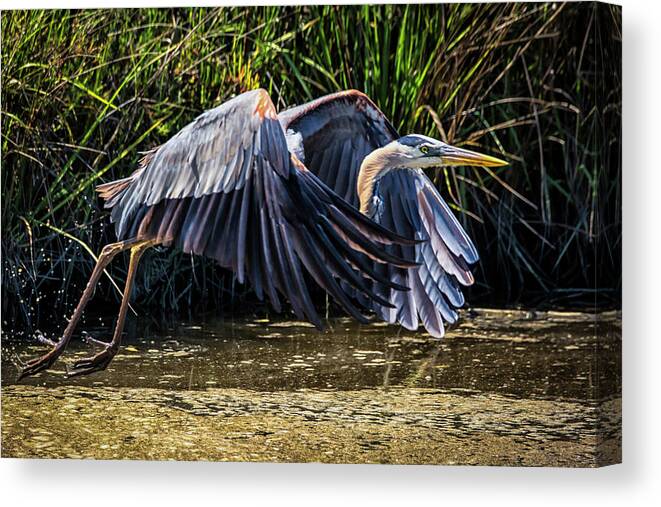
x,y
413,152
418,151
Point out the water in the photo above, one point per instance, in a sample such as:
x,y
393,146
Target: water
x,y
505,387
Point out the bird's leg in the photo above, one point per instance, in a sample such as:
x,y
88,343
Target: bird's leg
x,y
46,361
101,360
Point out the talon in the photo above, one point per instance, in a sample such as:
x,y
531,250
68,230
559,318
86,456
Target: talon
x,y
88,365
34,366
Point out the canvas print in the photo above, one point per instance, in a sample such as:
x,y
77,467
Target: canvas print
x,y
342,234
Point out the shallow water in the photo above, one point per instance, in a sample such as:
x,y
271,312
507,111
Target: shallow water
x,y
504,387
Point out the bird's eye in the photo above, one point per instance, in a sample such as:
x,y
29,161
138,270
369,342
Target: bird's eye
x,y
424,149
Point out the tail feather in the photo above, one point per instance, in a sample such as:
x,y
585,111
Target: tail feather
x,y
113,191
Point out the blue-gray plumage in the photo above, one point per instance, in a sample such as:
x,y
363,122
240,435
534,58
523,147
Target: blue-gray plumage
x,y
229,187
250,189
349,143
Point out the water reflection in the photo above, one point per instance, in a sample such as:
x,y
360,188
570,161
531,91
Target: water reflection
x,y
521,354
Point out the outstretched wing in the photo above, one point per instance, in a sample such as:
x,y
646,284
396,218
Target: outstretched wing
x,y
333,134
226,187
407,202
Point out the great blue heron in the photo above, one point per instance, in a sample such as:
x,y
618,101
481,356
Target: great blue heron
x,y
351,146
238,185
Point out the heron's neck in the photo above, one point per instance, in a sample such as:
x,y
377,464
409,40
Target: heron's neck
x,y
375,165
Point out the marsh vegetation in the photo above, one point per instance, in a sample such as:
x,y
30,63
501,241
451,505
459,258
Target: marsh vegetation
x,y
83,92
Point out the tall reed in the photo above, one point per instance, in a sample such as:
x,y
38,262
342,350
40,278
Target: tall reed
x,y
83,92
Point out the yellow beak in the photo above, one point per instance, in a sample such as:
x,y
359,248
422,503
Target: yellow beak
x,y
459,156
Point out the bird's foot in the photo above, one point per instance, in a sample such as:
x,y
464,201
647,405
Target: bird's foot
x,y
38,364
88,365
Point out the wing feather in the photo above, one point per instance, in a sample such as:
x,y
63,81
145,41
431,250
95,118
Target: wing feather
x,y
227,187
409,204
333,134
337,132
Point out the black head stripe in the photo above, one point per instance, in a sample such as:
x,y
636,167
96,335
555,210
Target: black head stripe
x,y
412,140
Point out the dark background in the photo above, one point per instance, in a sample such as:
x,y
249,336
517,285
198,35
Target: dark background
x,y
539,84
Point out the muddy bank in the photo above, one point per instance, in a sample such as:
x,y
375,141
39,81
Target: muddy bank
x,y
505,388
394,426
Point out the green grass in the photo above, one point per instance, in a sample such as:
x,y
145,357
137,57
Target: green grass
x,y
83,92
